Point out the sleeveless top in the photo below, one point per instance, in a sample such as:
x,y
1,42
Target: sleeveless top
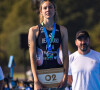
x,y
42,61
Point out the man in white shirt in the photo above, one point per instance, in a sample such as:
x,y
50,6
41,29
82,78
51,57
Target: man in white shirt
x,y
84,65
1,79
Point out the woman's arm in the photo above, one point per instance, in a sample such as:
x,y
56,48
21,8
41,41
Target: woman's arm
x,y
32,50
64,36
33,32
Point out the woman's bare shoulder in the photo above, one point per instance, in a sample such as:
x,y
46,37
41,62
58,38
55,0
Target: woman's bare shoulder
x,y
63,29
34,28
33,31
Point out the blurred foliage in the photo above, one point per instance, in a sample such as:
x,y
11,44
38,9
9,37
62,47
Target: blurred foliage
x,y
19,19
17,16
77,15
95,37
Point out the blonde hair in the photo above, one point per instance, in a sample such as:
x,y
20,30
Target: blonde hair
x,y
41,16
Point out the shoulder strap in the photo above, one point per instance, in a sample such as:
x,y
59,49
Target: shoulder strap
x,y
57,27
39,25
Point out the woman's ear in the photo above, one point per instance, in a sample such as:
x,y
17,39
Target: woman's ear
x,y
76,42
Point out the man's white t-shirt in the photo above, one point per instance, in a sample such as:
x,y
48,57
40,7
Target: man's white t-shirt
x,y
1,74
85,70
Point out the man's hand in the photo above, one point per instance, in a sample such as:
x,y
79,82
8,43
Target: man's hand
x,y
63,83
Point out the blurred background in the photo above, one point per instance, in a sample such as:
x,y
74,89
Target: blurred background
x,y
17,16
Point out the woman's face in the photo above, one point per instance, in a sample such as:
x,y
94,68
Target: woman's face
x,y
48,10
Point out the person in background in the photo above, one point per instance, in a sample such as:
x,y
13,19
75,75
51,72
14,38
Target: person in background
x,y
44,42
1,79
84,65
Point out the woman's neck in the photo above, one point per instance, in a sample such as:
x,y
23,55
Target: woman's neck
x,y
48,24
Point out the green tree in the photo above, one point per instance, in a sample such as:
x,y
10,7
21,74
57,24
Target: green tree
x,y
17,16
19,20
